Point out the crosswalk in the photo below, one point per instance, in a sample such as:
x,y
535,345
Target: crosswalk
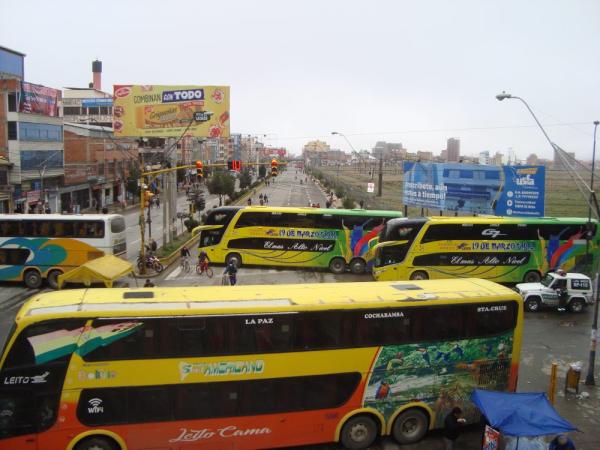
x,y
179,275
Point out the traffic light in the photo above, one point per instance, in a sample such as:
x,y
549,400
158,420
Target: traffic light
x,y
234,164
147,197
199,170
274,165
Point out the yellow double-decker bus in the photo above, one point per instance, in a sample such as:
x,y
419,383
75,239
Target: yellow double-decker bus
x,y
293,237
253,367
500,249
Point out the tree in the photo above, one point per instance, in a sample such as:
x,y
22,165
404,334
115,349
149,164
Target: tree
x,y
245,179
348,203
133,180
221,183
262,171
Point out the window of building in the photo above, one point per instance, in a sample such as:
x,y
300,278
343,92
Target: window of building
x,y
93,111
3,177
33,159
12,102
40,132
72,111
12,131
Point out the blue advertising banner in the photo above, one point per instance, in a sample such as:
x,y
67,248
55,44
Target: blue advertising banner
x,y
96,102
498,190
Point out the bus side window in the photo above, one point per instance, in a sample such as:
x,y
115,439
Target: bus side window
x,y
28,230
68,229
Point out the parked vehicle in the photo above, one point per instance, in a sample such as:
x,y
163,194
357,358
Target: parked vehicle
x,y
572,291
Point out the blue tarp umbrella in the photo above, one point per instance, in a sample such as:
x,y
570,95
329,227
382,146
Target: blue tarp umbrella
x,y
520,414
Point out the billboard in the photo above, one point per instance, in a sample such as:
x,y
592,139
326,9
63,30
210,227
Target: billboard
x,y
36,99
483,189
168,111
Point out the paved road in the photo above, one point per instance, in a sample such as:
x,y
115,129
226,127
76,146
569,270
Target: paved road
x,y
548,336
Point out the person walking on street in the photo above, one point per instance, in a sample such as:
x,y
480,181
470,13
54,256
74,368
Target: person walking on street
x,y
266,199
231,270
249,201
561,442
452,424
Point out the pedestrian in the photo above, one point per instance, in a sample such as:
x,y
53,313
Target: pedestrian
x,y
231,270
148,283
260,197
561,442
266,199
105,210
158,202
362,204
249,201
452,424
327,204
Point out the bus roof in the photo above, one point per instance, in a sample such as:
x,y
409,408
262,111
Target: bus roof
x,y
500,219
58,216
331,211
257,298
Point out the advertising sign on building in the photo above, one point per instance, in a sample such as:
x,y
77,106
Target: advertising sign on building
x,y
168,111
482,189
36,99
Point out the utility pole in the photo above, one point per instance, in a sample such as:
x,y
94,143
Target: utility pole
x,y
380,184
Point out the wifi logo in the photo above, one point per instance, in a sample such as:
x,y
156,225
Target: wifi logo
x,y
95,406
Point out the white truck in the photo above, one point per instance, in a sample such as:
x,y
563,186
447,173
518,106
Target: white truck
x,y
573,291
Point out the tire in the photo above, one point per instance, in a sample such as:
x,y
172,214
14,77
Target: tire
x,y
337,266
140,265
236,258
419,275
576,305
209,272
97,443
52,278
358,266
533,276
410,426
33,279
198,269
532,304
158,267
358,433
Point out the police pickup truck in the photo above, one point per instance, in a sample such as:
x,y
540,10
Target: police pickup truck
x,y
572,291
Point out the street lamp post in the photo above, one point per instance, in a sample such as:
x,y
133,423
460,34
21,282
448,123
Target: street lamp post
x,y
589,380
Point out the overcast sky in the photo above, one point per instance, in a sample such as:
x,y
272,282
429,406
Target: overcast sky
x,y
415,72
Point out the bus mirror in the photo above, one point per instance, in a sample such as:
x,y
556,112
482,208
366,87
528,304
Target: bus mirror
x,y
389,244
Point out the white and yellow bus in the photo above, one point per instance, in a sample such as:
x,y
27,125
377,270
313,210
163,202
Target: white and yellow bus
x,y
292,237
253,367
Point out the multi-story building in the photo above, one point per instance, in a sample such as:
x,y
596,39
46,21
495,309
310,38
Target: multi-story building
x,y
497,159
425,155
389,150
29,114
96,166
484,157
453,149
88,105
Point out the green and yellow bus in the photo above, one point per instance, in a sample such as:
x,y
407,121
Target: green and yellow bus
x,y
501,249
292,237
253,367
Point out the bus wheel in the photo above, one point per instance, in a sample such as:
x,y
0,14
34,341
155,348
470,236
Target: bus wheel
x,y
235,258
97,443
410,426
52,278
576,305
533,276
337,265
532,304
33,279
419,275
358,266
358,433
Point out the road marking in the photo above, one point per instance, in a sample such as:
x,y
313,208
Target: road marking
x,y
174,274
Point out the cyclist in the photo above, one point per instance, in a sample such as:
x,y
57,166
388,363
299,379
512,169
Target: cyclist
x,y
202,260
231,270
185,254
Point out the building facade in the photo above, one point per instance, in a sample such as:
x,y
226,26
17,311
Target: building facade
x,y
453,150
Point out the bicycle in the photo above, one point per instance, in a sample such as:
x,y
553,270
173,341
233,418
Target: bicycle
x,y
204,268
185,265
